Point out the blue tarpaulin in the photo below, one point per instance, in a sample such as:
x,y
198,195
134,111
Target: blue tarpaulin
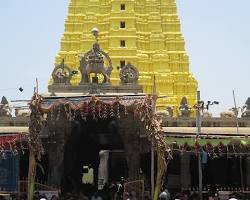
x,y
9,172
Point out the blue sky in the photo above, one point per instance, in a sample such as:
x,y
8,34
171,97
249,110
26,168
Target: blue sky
x,y
216,32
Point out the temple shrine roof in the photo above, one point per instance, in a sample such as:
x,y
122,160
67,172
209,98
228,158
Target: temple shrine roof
x,y
208,131
14,130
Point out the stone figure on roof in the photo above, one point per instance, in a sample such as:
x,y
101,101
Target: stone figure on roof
x,y
129,74
206,114
62,74
246,109
230,114
4,101
5,110
93,62
184,108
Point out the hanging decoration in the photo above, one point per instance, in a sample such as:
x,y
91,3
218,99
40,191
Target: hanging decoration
x,y
35,144
104,107
14,139
13,143
219,146
35,126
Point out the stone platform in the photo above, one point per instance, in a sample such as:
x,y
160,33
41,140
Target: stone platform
x,y
95,88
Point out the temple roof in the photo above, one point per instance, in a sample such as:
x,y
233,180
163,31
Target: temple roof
x,y
77,98
177,137
211,139
14,129
86,95
208,131
215,132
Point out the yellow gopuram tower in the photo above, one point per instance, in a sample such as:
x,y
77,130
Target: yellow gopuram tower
x,y
145,33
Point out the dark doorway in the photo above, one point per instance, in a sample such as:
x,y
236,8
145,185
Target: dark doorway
x,y
82,148
117,165
223,171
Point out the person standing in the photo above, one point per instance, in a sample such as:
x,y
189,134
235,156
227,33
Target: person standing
x,y
96,196
165,195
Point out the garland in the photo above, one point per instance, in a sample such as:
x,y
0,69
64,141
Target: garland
x,y
35,144
234,148
145,111
35,126
12,143
97,108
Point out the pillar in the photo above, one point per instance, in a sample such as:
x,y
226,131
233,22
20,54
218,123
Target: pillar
x,y
185,178
103,175
247,174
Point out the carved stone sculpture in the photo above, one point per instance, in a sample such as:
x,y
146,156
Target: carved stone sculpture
x,y
4,101
166,113
22,112
5,110
93,62
162,114
170,111
206,114
246,109
129,74
230,114
184,108
62,74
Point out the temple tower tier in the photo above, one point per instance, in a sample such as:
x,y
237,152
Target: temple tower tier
x,y
145,33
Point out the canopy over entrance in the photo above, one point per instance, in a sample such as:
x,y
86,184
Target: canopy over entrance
x,y
125,122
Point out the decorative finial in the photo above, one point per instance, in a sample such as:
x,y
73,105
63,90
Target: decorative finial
x,y
93,62
95,33
62,64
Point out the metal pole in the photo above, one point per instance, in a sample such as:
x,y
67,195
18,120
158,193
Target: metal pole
x,y
200,176
37,85
198,115
241,173
31,175
152,146
236,113
152,168
237,126
198,125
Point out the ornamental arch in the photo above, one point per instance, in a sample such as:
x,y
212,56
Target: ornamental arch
x,y
74,130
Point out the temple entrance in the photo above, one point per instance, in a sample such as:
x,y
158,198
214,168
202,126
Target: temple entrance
x,y
82,152
105,138
86,154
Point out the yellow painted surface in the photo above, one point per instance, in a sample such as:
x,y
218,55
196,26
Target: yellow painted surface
x,y
154,43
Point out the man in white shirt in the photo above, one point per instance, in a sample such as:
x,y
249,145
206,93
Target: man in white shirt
x,y
96,197
164,195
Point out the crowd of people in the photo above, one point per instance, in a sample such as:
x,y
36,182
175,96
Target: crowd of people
x,y
115,191
187,195
112,191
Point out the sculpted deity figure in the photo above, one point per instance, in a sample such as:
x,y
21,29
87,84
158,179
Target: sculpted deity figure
x,y
129,74
62,74
184,108
5,110
230,114
93,62
246,109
